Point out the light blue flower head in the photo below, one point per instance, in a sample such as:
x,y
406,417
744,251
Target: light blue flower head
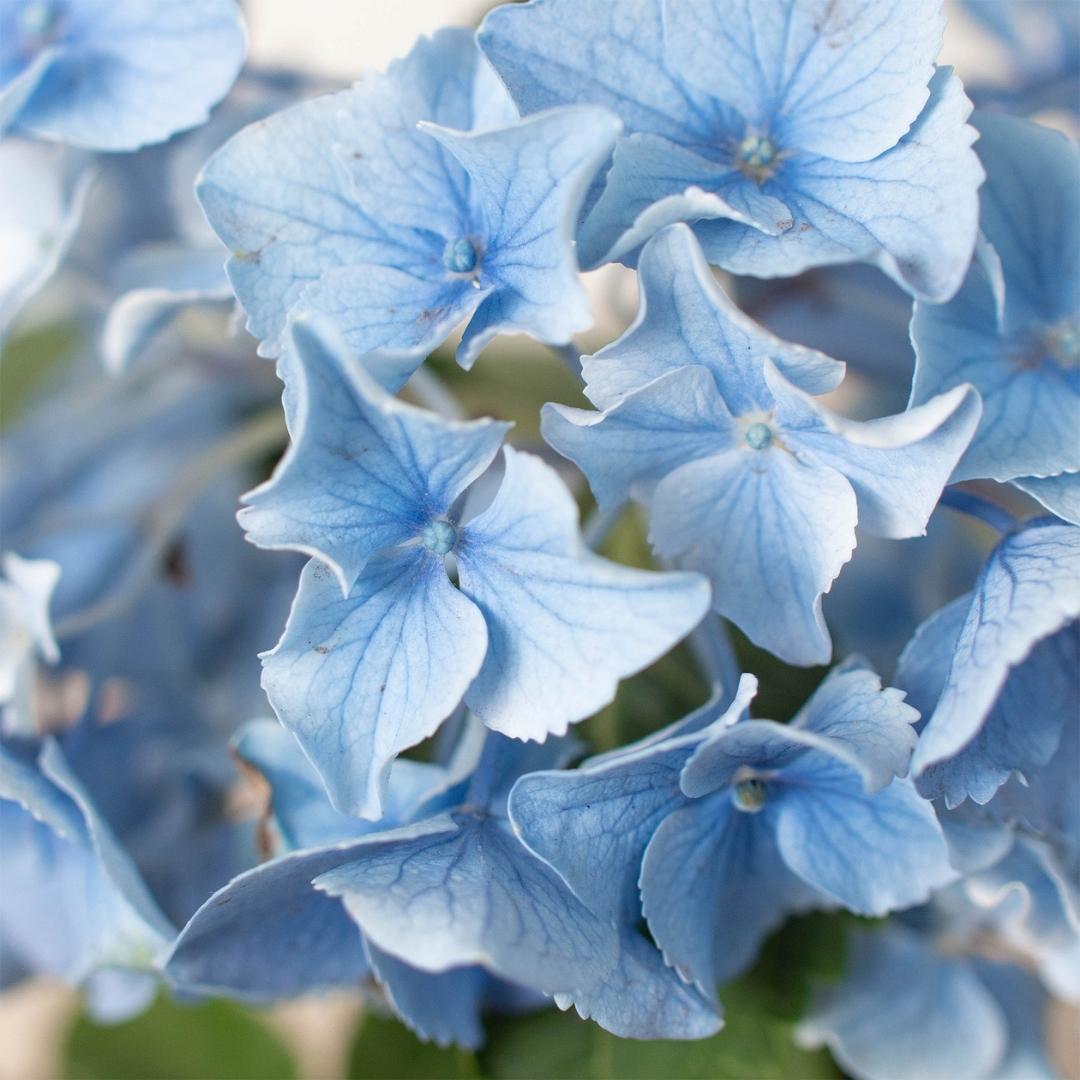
x,y
789,134
405,205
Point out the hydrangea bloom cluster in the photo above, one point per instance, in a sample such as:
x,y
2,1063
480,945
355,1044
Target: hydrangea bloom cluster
x,y
464,780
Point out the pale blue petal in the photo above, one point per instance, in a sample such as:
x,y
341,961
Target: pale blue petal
x,y
1059,494
849,717
364,471
560,52
1023,1003
301,813
594,823
643,998
1021,731
157,283
713,885
905,1010
913,210
872,853
268,934
686,318
564,626
653,183
125,73
1029,588
459,890
359,679
771,532
529,181
897,465
42,192
626,450
844,81
443,1008
1023,364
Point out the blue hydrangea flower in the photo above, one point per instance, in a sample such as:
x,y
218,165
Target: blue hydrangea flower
x,y
1013,330
115,74
440,911
708,421
42,192
789,134
994,672
906,1008
728,829
380,645
75,907
404,206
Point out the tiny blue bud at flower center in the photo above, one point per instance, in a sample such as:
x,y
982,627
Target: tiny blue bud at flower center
x,y
460,256
759,436
439,537
756,157
749,795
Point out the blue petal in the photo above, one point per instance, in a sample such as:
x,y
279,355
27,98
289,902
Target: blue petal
x,y
302,815
593,824
347,180
359,679
80,905
268,934
686,318
158,282
1020,360
913,211
885,1024
771,531
124,73
713,885
365,471
459,890
1024,1004
627,449
873,853
441,1007
529,181
42,192
653,183
1059,494
563,625
849,717
555,53
842,81
898,465
643,998
1028,590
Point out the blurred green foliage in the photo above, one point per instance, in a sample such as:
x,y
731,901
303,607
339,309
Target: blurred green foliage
x,y
215,1040
26,361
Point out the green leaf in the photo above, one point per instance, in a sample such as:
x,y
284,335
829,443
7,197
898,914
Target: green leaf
x,y
384,1049
216,1040
27,360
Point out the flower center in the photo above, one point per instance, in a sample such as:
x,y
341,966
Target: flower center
x,y
756,157
1063,342
439,537
749,795
759,436
460,256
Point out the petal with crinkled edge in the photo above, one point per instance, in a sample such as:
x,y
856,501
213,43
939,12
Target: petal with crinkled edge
x,y
1029,589
358,679
459,890
686,318
564,626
